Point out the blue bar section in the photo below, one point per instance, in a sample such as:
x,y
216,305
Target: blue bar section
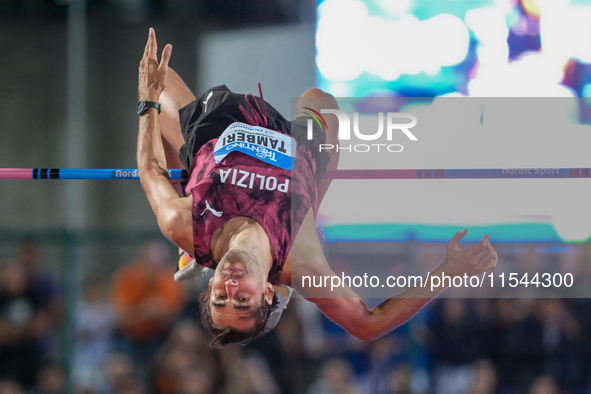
x,y
122,173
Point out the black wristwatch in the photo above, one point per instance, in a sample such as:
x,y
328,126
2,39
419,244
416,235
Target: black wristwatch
x,y
145,105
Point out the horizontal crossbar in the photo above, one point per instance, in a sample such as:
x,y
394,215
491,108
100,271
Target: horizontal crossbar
x,y
130,173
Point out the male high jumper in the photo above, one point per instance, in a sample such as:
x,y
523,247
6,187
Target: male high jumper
x,y
237,217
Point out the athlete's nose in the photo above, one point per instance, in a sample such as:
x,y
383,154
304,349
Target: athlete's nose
x,y
231,287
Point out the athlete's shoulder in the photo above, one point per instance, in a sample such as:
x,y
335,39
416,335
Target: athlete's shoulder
x,y
218,88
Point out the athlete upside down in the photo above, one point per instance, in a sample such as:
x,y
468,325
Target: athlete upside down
x,y
238,218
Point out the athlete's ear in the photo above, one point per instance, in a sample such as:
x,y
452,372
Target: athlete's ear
x,y
269,292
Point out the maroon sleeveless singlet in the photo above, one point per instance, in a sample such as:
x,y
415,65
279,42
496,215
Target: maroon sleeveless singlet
x,y
241,185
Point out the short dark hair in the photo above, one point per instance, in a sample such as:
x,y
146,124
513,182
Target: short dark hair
x,y
225,335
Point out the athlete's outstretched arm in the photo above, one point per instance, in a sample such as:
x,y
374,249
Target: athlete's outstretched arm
x,y
173,213
344,307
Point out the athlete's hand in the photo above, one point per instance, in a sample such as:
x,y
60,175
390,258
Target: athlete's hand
x,y
152,76
472,261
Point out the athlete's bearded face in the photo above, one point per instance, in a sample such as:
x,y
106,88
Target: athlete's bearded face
x,y
237,288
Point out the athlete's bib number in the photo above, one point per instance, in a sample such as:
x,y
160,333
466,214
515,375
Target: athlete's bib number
x,y
266,145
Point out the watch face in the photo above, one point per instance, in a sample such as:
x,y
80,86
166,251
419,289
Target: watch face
x,y
141,107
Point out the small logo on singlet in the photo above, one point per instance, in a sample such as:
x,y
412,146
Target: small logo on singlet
x,y
206,100
208,208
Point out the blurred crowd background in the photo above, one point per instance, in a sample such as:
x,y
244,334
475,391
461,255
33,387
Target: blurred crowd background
x,y
87,301
137,331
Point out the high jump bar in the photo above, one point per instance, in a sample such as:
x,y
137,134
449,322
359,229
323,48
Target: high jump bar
x,y
175,174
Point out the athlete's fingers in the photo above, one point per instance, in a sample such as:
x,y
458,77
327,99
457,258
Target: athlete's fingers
x,y
485,240
495,261
147,47
474,250
492,263
476,261
485,256
153,49
166,53
490,251
453,243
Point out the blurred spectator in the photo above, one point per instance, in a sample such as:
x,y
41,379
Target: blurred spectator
x,y
310,328
10,387
185,355
51,380
121,377
515,342
543,384
562,343
289,361
400,380
147,300
47,289
336,377
21,321
248,374
384,356
484,378
130,385
196,382
260,376
338,343
95,319
456,342
41,282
